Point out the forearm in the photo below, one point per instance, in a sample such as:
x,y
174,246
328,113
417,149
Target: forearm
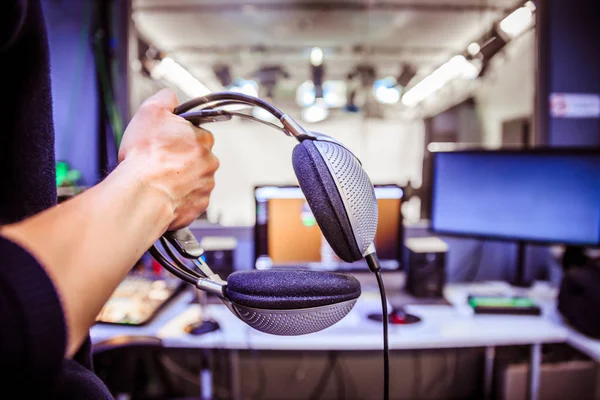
x,y
89,243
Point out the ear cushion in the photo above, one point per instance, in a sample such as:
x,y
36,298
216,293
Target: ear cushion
x,y
324,200
290,289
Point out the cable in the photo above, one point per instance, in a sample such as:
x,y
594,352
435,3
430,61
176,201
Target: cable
x,y
262,373
347,377
417,375
339,380
386,348
476,262
325,375
375,267
437,381
468,259
179,371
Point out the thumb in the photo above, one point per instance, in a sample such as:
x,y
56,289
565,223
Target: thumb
x,y
164,98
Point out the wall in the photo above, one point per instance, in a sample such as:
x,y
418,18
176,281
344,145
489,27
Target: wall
x,y
252,154
74,88
507,90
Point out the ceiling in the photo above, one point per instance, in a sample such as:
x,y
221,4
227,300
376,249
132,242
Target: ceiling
x,y
249,34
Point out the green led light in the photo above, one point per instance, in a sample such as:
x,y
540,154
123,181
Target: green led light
x,y
66,176
308,220
62,169
306,216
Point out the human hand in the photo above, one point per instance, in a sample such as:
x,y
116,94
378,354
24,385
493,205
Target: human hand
x,y
172,156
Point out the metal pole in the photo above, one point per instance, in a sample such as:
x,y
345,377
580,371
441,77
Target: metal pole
x,y
490,356
535,366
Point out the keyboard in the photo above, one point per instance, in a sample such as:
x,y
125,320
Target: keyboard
x,y
138,299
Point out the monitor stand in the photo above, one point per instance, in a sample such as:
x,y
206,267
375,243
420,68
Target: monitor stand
x,y
204,324
574,256
519,280
396,317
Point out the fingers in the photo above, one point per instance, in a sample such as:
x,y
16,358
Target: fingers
x,y
205,138
165,99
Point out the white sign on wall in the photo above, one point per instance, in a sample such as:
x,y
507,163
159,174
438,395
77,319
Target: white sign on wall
x,y
574,105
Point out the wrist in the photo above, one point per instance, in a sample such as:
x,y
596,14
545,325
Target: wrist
x,y
134,175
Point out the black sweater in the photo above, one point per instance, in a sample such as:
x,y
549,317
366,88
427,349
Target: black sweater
x,y
32,324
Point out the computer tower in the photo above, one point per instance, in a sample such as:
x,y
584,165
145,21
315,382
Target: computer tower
x,y
425,265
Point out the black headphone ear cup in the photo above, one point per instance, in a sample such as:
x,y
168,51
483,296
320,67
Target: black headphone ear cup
x,y
290,289
324,200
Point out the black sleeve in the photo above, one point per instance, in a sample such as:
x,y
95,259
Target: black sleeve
x,y
12,16
32,325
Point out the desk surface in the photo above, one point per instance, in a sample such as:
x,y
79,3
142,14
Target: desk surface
x,y
585,344
101,332
442,326
546,298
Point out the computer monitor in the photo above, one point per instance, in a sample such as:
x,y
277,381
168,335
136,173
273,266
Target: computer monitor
x,y
549,196
287,235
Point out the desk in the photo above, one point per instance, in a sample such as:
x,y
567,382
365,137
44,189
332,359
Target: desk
x,y
585,344
588,346
442,326
103,332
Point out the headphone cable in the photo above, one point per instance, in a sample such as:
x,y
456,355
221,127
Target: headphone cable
x,y
375,266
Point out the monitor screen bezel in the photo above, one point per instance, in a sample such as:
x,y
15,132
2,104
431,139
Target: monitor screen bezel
x,y
400,238
504,151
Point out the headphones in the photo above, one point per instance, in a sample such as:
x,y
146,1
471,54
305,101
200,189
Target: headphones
x,y
342,199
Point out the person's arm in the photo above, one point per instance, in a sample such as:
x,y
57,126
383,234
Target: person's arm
x,y
89,243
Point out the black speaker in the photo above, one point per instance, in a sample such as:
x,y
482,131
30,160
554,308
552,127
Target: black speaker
x,y
425,266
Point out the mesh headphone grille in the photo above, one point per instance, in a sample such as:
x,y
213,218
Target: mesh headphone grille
x,y
357,191
294,322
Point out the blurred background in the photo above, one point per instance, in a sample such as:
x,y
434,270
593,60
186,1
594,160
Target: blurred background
x,y
343,68
398,82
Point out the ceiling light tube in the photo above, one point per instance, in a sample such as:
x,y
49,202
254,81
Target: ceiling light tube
x,y
456,67
169,70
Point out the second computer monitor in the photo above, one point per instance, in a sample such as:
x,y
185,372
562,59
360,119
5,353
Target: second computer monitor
x,y
287,234
544,195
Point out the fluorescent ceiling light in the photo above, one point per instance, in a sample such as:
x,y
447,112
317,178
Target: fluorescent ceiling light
x,y
518,21
305,94
385,90
387,95
169,70
245,86
456,67
316,56
317,112
334,93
